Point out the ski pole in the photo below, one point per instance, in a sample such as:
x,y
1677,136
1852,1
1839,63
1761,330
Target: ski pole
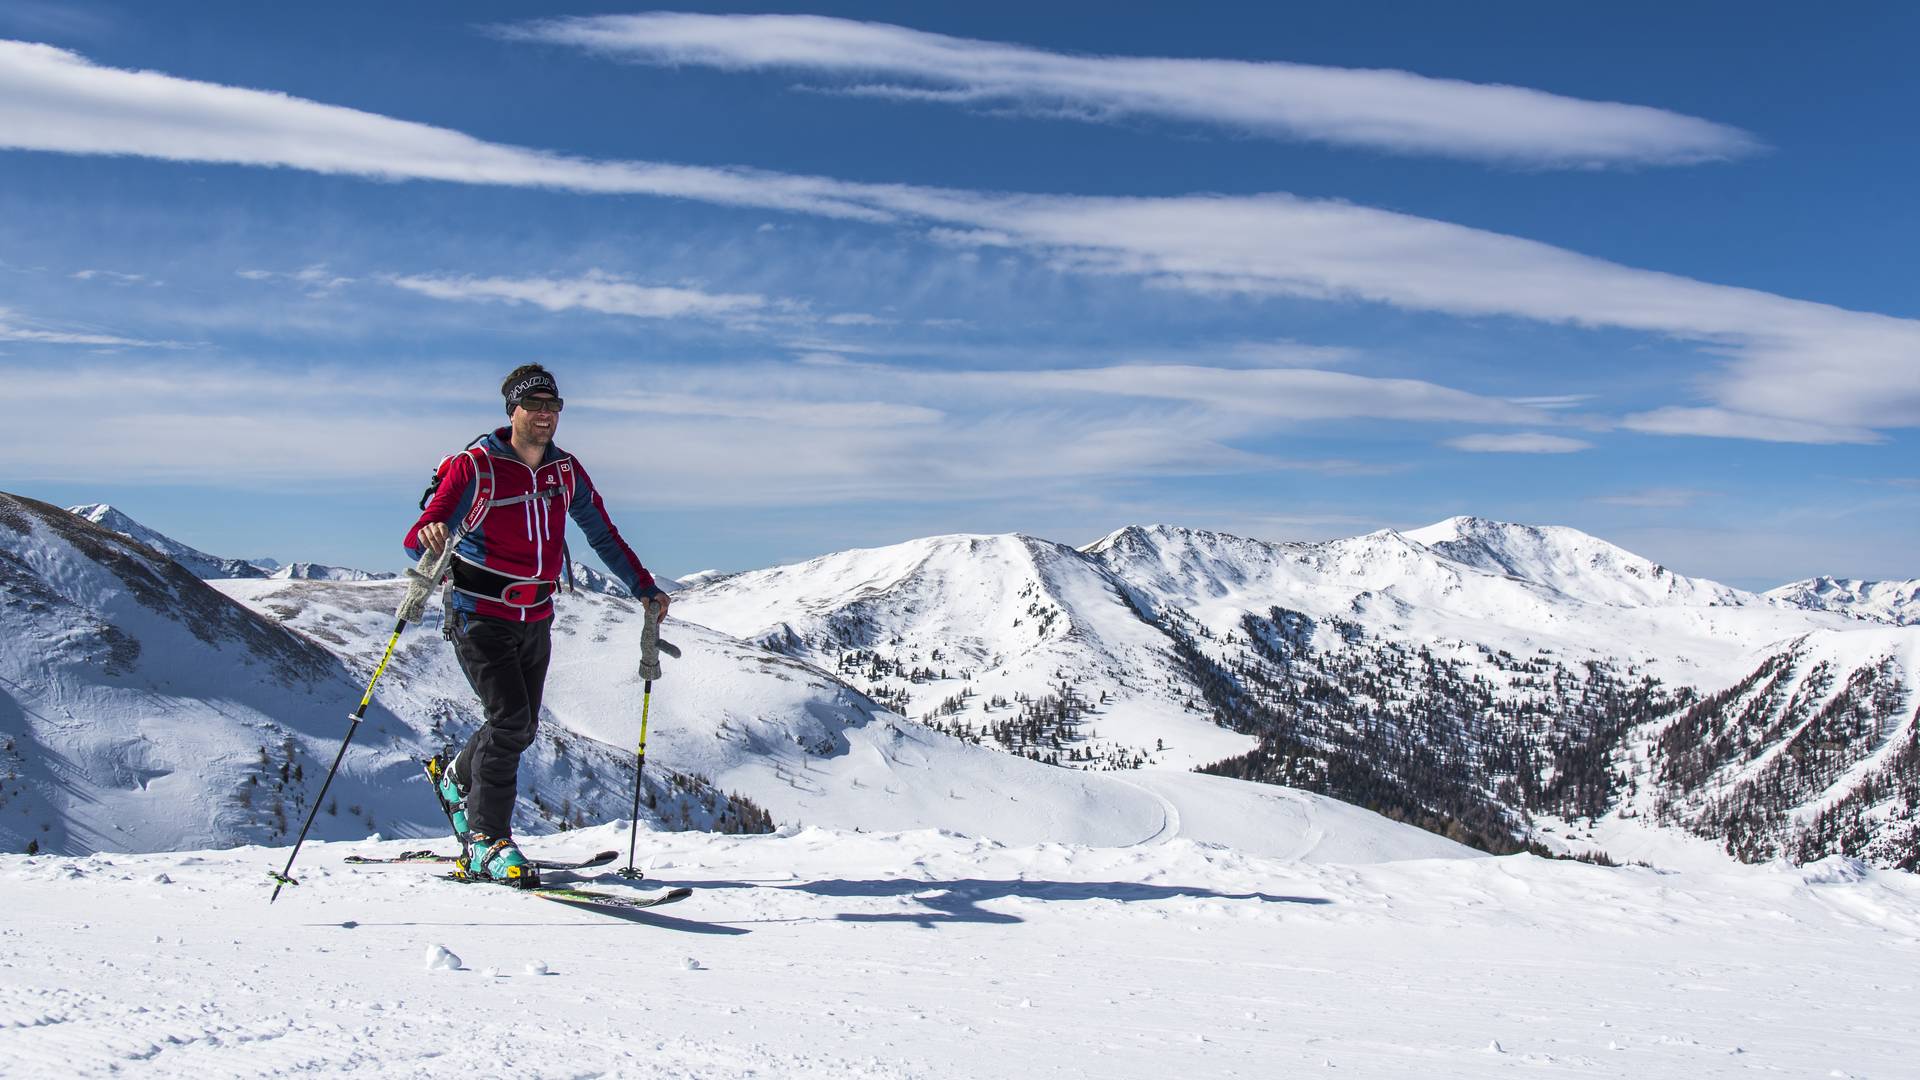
x,y
421,580
651,646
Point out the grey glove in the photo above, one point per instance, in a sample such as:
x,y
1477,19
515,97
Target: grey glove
x,y
422,578
652,644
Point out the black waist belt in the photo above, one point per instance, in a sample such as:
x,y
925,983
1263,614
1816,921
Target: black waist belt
x,y
514,592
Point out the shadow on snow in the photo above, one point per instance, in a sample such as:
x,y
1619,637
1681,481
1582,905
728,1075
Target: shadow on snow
x,y
958,901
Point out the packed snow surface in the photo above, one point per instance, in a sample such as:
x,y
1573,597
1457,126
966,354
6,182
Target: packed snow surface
x,y
826,953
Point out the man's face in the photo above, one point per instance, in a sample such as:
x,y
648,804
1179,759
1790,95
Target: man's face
x,y
535,425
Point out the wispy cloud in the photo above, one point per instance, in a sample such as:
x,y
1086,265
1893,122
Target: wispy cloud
x,y
45,18
114,277
857,318
594,291
1396,111
14,328
1728,424
1274,393
714,434
316,279
1656,498
1783,369
55,99
1519,442
1554,401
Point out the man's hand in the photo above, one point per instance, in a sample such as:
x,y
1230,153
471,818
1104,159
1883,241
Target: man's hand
x,y
434,535
660,603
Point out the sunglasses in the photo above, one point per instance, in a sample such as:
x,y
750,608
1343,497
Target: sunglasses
x,y
538,404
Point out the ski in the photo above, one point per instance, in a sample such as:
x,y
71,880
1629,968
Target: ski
x,y
587,898
403,857
434,858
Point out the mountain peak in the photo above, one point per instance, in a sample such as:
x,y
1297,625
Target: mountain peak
x,y
1469,527
197,562
1895,602
1571,562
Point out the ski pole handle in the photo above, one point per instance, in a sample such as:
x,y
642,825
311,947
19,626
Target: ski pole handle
x,y
423,577
651,644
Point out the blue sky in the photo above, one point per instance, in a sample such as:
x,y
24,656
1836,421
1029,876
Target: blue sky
x,y
858,276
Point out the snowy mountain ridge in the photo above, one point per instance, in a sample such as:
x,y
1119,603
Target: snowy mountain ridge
x,y
1571,563
1894,602
1481,679
144,709
307,571
1471,675
197,562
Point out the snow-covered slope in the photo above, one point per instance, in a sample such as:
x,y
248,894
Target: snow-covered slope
x,y
806,746
1463,675
586,577
306,571
1484,680
991,637
1894,602
886,956
141,709
144,710
1817,750
1570,563
197,562
1505,586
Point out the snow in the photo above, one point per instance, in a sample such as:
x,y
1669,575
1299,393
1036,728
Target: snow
x,y
185,744
193,559
929,907
1896,602
306,571
924,954
997,616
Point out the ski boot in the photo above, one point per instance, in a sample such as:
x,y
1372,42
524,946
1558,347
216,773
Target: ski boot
x,y
497,859
452,797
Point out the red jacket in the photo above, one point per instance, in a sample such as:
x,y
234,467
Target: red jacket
x,y
520,533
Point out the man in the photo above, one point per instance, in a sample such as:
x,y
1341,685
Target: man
x,y
503,495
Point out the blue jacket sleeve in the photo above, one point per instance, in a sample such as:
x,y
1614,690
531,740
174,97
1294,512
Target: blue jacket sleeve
x,y
591,515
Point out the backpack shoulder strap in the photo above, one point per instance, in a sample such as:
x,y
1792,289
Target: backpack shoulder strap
x,y
483,484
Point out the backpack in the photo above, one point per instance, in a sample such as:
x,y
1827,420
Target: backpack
x,y
482,502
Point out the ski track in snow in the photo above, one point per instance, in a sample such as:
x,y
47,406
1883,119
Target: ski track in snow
x,y
823,953
1169,816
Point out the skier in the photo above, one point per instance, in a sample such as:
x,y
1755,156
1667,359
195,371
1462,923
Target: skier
x,y
503,493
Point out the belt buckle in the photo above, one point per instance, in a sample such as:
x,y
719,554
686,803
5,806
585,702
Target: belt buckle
x,y
521,594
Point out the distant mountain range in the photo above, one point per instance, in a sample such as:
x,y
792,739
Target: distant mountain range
x,y
1893,602
215,567
1500,684
142,708
1483,679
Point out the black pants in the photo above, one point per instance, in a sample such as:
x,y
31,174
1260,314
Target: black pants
x,y
507,664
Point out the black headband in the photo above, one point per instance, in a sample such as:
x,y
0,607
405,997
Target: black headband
x,y
532,384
